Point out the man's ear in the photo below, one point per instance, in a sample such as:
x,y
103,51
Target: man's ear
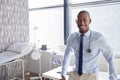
x,y
90,20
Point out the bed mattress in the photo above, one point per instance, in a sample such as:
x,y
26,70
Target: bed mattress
x,y
8,56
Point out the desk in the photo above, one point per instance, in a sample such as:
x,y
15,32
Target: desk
x,y
55,73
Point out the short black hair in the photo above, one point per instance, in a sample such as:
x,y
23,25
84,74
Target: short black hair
x,y
83,11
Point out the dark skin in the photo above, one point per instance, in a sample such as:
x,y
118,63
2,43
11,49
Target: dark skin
x,y
83,21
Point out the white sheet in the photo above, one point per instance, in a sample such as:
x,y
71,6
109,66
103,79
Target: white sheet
x,y
9,56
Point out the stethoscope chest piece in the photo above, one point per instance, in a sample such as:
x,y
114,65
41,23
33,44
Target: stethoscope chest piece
x,y
89,50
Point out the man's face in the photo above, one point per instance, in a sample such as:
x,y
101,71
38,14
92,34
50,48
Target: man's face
x,y
83,22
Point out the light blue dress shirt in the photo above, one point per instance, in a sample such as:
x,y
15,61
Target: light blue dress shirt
x,y
97,45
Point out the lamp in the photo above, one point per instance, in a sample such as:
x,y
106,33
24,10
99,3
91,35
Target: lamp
x,y
35,36
36,56
36,53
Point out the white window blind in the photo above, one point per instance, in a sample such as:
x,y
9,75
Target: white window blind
x,y
47,26
43,3
105,19
82,1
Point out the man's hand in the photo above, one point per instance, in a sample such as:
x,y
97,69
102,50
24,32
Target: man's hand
x,y
62,78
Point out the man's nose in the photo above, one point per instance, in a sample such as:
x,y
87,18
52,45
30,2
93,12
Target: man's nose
x,y
82,22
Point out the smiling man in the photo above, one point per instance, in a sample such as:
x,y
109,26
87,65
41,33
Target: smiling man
x,y
87,45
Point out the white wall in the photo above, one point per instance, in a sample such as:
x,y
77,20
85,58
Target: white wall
x,y
13,22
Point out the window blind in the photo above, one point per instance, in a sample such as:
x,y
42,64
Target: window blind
x,y
47,26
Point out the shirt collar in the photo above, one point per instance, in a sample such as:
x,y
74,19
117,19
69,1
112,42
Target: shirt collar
x,y
87,33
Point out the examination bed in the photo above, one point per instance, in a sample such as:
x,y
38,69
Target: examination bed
x,y
14,53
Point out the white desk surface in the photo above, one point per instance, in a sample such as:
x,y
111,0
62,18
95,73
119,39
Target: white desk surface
x,y
53,74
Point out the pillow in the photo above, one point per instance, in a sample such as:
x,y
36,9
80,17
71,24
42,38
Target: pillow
x,y
19,47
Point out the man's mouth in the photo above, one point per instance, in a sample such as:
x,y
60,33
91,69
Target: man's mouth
x,y
81,26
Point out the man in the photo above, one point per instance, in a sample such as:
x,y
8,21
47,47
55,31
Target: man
x,y
86,45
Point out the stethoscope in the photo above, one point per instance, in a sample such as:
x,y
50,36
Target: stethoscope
x,y
89,49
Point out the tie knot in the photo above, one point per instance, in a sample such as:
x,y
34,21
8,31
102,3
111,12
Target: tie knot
x,y
82,35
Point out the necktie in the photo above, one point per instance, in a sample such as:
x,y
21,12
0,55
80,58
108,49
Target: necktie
x,y
80,55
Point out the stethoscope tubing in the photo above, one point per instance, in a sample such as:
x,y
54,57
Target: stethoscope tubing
x,y
89,50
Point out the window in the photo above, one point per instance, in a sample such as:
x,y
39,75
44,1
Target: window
x,y
48,18
44,3
82,1
105,19
46,23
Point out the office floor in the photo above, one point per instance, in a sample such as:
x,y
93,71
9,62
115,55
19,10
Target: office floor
x,y
28,75
31,74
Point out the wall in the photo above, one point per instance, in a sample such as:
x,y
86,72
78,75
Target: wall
x,y
13,26
13,22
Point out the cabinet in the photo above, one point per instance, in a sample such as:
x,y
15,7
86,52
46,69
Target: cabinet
x,y
46,62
